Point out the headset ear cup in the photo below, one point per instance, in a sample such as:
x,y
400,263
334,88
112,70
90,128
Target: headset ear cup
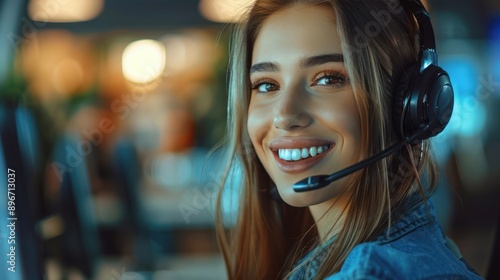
x,y
401,100
438,98
421,99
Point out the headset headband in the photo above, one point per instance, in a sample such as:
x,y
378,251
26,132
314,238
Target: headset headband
x,y
428,55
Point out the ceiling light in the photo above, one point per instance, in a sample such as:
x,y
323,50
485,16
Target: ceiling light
x,y
64,10
224,10
143,61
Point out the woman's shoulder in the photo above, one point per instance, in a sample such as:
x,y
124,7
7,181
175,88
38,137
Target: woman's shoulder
x,y
372,260
413,248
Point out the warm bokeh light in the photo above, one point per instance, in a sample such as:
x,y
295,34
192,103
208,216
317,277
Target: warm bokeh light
x,y
224,10
177,57
64,11
190,55
57,64
111,83
143,61
67,76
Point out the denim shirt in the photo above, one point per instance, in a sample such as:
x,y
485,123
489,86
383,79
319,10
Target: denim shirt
x,y
414,248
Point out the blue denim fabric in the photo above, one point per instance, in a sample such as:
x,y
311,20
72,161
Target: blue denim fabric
x,y
413,248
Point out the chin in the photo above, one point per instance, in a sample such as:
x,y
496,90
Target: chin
x,y
297,200
305,199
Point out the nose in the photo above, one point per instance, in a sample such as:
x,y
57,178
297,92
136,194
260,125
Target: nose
x,y
292,112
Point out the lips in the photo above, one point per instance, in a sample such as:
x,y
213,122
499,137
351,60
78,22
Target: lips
x,y
295,155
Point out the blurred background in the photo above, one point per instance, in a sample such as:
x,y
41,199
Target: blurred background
x,y
109,108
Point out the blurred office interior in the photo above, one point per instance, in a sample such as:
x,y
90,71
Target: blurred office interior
x,y
109,110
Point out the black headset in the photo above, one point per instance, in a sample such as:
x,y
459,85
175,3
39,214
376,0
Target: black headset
x,y
424,94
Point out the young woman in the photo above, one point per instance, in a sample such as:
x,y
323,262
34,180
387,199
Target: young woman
x,y
311,92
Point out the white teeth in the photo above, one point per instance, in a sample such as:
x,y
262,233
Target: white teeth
x,y
287,154
305,152
298,154
313,151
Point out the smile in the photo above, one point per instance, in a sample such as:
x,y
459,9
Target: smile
x,y
303,153
297,155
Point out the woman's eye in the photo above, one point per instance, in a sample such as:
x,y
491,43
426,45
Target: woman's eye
x,y
327,79
263,87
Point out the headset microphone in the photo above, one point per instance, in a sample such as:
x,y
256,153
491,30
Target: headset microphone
x,y
321,181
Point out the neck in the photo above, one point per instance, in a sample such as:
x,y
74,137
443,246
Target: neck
x,y
329,217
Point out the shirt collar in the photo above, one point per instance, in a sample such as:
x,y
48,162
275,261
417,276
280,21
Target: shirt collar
x,y
412,214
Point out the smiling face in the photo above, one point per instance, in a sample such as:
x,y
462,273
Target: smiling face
x,y
302,118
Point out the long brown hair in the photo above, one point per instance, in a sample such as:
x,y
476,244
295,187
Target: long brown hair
x,y
378,42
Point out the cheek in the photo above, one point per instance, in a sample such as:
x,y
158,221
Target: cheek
x,y
343,117
352,126
352,130
256,123
352,122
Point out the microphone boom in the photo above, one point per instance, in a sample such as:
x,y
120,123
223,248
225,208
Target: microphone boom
x,y
321,181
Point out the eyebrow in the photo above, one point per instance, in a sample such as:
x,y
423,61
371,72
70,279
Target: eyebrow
x,y
304,63
320,59
264,67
